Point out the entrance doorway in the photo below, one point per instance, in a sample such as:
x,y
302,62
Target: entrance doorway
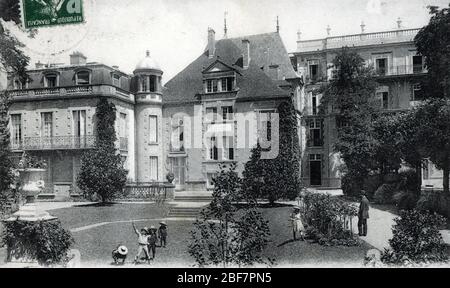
x,y
178,168
315,169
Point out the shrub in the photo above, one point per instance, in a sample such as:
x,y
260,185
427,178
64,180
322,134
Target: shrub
x,y
435,202
328,219
416,239
384,194
46,241
405,200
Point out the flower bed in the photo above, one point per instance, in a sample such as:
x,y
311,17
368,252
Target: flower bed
x,y
328,220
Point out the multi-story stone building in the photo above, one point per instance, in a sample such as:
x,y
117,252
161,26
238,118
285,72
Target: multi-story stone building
x,y
399,70
188,127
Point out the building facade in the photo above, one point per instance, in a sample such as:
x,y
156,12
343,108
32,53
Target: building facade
x,y
399,70
188,127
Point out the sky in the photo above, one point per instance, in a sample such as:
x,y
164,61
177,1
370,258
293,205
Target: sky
x,y
118,32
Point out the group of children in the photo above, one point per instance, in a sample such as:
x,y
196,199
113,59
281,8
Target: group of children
x,y
147,239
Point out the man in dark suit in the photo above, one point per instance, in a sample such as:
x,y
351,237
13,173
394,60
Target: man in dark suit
x,y
363,214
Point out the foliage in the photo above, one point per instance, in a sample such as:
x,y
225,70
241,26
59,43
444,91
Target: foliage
x,y
170,177
350,93
276,178
102,174
328,219
434,202
384,194
416,239
224,235
434,134
46,241
29,161
433,43
386,155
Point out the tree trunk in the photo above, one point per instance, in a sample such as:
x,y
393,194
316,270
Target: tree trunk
x,y
445,183
419,177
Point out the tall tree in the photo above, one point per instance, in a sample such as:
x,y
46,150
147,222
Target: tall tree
x,y
433,42
279,177
350,93
13,61
102,173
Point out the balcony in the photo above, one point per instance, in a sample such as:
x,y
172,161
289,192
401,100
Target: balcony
x,y
177,148
68,92
398,70
55,142
376,38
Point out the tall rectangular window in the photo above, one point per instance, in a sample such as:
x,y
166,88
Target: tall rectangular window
x,y
227,113
211,114
315,133
116,80
79,123
212,148
211,85
227,84
228,148
177,138
153,168
381,66
153,129
46,124
417,64
313,67
16,130
417,93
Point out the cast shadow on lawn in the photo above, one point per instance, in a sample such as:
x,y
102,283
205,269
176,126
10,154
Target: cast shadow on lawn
x,y
289,241
263,205
99,204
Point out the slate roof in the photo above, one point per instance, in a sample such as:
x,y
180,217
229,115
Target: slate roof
x,y
252,82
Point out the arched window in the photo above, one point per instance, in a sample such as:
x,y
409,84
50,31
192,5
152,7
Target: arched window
x,y
152,83
82,78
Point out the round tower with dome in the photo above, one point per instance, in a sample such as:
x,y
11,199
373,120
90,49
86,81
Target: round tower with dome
x,y
148,110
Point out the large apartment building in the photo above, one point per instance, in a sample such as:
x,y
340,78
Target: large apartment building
x,y
398,68
188,127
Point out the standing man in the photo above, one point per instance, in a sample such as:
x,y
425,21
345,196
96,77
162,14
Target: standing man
x,y
363,214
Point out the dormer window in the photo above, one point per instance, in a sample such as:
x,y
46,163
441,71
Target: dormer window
x,y
227,84
51,80
116,80
82,78
211,86
224,84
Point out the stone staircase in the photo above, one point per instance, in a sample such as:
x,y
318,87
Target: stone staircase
x,y
188,204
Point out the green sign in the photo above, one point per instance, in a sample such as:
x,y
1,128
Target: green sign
x,y
38,13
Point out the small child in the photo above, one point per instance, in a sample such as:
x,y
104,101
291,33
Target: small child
x,y
120,253
152,238
142,243
162,234
297,225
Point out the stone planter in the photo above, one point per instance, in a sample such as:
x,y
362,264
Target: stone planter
x,y
33,182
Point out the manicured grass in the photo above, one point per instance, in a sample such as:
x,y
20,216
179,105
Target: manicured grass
x,y
302,253
96,243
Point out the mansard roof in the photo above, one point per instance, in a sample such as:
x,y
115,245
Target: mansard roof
x,y
253,82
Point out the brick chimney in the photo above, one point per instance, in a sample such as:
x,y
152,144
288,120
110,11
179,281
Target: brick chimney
x,y
77,58
211,42
246,53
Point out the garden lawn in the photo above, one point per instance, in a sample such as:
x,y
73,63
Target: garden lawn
x,y
96,242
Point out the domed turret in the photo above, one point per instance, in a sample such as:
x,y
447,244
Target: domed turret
x,y
146,64
147,77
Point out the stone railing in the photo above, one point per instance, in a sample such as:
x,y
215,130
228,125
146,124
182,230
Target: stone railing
x,y
150,191
55,142
79,90
405,35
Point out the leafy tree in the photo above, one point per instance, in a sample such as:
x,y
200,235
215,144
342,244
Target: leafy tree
x,y
350,93
433,134
279,177
102,174
416,239
433,42
225,235
14,61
